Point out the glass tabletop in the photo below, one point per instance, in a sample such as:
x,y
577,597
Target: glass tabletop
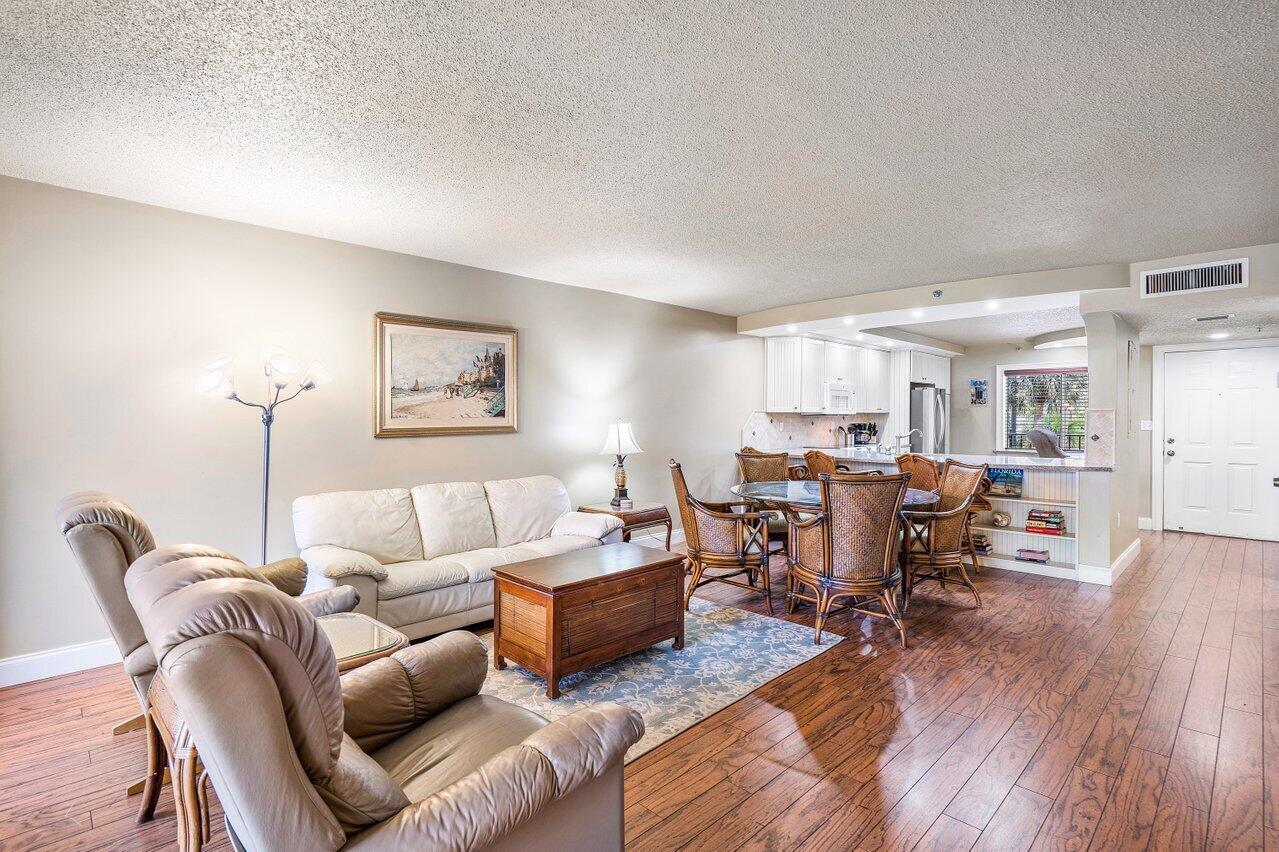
x,y
354,636
807,494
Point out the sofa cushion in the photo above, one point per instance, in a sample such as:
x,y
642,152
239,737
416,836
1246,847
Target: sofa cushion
x,y
557,544
478,565
525,509
454,743
379,523
437,603
452,517
420,575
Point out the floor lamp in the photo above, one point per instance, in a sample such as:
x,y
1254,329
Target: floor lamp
x,y
279,367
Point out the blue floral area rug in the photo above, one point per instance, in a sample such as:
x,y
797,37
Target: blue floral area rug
x,y
727,654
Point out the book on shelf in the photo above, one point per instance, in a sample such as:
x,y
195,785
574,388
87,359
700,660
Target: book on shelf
x,y
1006,481
1029,554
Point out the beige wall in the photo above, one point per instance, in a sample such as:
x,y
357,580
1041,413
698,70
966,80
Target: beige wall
x,y
974,428
109,308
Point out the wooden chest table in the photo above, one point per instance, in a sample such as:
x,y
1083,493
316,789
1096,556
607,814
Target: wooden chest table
x,y
562,614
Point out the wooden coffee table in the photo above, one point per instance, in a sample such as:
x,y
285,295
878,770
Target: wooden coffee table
x,y
562,614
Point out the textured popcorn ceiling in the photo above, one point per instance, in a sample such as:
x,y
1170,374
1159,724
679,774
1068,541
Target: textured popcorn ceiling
x,y
999,327
728,156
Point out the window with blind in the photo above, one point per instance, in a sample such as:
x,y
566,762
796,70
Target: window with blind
x,y
1054,398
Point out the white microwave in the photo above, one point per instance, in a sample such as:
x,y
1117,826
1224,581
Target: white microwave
x,y
837,398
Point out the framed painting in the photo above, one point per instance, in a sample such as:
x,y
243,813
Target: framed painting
x,y
440,377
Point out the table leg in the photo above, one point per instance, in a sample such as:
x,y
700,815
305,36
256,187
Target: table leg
x,y
904,563
499,662
553,682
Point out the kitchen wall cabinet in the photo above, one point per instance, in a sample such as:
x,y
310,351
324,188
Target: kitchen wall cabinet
x,y
873,383
840,362
794,369
930,369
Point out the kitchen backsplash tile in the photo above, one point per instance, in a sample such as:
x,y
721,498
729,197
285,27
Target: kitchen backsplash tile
x,y
766,431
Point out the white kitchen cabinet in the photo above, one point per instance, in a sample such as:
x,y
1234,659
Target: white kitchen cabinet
x,y
781,370
841,362
794,369
928,369
873,385
812,372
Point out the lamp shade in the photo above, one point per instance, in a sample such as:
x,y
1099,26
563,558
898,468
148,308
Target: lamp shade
x,y
621,441
316,375
215,383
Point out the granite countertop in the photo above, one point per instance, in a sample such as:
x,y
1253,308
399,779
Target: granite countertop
x,y
1025,462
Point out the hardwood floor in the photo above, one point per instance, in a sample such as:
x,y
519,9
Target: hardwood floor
x,y
1060,716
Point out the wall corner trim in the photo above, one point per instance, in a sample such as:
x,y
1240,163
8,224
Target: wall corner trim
x,y
57,661
1108,576
1145,523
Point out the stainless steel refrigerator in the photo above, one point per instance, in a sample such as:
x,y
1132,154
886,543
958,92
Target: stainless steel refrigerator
x,y
928,414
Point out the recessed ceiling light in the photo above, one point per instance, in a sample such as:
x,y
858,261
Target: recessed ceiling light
x,y
992,305
888,343
861,336
848,320
792,328
1219,335
917,313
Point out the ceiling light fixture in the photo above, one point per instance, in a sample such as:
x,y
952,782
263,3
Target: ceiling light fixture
x,y
917,313
792,328
860,336
992,305
848,320
1219,335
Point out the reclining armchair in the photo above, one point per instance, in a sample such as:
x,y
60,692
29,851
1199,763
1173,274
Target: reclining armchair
x,y
403,753
106,536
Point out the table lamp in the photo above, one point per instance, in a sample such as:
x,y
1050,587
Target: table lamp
x,y
620,443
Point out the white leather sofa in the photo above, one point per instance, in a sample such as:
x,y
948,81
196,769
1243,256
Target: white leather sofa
x,y
422,558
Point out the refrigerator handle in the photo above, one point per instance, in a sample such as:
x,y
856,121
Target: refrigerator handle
x,y
940,431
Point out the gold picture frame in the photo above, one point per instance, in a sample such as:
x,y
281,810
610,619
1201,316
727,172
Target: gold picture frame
x,y
443,377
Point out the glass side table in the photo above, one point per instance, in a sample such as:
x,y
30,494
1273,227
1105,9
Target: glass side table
x,y
358,639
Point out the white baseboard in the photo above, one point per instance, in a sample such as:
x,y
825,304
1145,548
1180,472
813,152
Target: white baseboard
x,y
1145,523
1108,576
657,539
57,661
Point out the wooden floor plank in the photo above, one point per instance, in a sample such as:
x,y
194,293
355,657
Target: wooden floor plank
x,y
1235,819
1206,697
1015,824
1157,730
1129,815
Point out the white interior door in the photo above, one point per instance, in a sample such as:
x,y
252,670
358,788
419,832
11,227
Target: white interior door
x,y
1221,448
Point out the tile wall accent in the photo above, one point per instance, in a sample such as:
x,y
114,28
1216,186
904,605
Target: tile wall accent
x,y
766,431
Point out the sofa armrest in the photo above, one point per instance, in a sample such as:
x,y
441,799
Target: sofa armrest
x,y
288,575
512,786
330,601
594,524
387,697
336,562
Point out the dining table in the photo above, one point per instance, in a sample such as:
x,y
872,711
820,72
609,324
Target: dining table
x,y
805,495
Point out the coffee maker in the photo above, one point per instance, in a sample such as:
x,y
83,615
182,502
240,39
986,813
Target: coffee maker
x,y
864,434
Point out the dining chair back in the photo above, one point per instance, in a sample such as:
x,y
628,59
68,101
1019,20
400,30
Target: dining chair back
x,y
923,471
762,467
849,549
818,463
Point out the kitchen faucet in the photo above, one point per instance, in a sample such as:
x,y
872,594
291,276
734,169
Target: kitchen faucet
x,y
897,440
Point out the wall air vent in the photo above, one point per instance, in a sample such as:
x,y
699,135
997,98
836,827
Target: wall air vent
x,y
1226,275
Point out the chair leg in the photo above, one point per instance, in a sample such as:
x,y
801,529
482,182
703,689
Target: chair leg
x,y
972,554
768,585
890,607
155,771
791,600
823,605
693,580
964,578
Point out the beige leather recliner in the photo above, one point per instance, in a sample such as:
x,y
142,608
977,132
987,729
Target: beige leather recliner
x,y
403,753
107,536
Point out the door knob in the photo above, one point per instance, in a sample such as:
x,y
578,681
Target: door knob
x,y
1171,453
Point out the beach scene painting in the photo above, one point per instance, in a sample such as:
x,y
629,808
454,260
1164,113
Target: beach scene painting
x,y
440,377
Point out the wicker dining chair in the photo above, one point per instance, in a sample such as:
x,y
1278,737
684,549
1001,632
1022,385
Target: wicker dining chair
x,y
755,466
849,549
818,463
727,539
923,471
936,538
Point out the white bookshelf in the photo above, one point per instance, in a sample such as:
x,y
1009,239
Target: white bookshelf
x,y
1040,490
